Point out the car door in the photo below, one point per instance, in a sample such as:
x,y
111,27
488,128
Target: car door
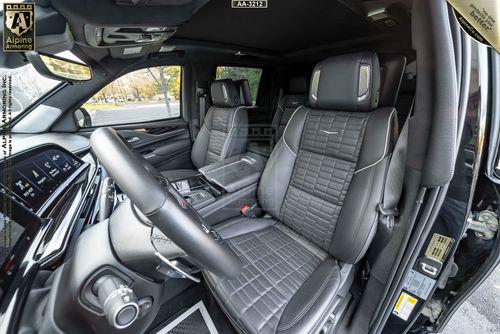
x,y
145,107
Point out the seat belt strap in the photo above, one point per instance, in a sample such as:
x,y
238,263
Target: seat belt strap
x,y
202,107
201,95
278,113
393,187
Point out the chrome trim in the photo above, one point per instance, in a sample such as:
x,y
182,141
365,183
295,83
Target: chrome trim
x,y
60,239
315,85
363,94
483,74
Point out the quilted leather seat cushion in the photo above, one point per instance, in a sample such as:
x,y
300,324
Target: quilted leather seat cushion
x,y
322,173
277,262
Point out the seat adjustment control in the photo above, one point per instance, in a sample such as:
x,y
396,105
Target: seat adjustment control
x,y
118,301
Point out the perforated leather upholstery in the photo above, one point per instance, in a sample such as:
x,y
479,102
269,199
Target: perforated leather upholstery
x,y
322,184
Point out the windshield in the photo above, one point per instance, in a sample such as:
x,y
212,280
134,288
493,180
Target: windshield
x,y
26,86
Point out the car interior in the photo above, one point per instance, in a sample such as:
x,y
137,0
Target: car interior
x,y
250,170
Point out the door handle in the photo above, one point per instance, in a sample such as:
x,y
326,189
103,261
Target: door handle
x,y
133,140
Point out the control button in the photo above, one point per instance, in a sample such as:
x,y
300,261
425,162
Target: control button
x,y
118,301
144,306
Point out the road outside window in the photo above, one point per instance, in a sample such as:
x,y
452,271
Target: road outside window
x,y
237,73
145,95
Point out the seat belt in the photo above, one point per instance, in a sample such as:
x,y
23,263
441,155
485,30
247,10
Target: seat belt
x,y
202,106
393,187
201,94
278,113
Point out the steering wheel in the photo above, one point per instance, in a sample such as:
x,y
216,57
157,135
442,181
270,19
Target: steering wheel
x,y
158,200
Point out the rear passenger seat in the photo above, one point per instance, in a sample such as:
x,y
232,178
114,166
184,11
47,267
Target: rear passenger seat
x,y
294,97
243,87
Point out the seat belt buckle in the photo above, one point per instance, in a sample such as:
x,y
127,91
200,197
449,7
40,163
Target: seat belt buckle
x,y
387,216
250,211
244,209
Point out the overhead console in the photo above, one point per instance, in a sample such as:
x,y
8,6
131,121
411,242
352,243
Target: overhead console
x,y
220,189
120,23
98,36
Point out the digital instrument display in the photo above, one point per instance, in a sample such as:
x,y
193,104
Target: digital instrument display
x,y
34,178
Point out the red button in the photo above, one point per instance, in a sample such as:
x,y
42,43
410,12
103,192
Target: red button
x,y
244,209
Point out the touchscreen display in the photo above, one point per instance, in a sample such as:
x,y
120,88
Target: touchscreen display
x,y
35,178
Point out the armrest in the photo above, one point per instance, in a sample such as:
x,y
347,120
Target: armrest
x,y
236,172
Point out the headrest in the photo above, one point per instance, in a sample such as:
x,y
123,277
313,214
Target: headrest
x,y
244,91
348,82
392,68
297,85
224,93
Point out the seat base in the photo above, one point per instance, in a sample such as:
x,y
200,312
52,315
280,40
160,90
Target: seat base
x,y
286,283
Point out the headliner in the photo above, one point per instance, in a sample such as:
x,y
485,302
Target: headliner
x,y
284,27
287,29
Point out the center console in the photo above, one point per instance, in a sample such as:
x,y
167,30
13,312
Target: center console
x,y
219,190
198,191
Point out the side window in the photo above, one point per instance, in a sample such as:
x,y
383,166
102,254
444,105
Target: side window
x,y
141,96
236,73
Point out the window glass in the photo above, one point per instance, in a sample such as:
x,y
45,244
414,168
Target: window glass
x,y
236,73
26,87
141,96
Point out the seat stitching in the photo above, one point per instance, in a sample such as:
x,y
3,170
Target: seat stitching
x,y
308,306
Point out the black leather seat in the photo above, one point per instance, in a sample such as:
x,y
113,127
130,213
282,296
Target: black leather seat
x,y
320,189
224,132
243,87
294,96
392,68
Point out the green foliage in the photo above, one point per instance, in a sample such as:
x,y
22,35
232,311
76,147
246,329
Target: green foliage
x,y
236,73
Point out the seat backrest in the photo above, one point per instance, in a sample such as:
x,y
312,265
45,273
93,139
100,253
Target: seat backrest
x,y
243,87
325,176
293,97
392,68
225,129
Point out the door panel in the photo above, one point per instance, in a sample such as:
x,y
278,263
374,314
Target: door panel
x,y
166,144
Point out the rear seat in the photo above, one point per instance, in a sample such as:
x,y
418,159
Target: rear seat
x,y
245,94
393,90
294,97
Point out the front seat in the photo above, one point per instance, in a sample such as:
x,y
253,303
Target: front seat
x,y
224,132
320,189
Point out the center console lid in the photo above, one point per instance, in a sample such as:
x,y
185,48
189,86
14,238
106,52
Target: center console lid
x,y
236,172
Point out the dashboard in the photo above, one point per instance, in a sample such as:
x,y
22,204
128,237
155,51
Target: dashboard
x,y
47,194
